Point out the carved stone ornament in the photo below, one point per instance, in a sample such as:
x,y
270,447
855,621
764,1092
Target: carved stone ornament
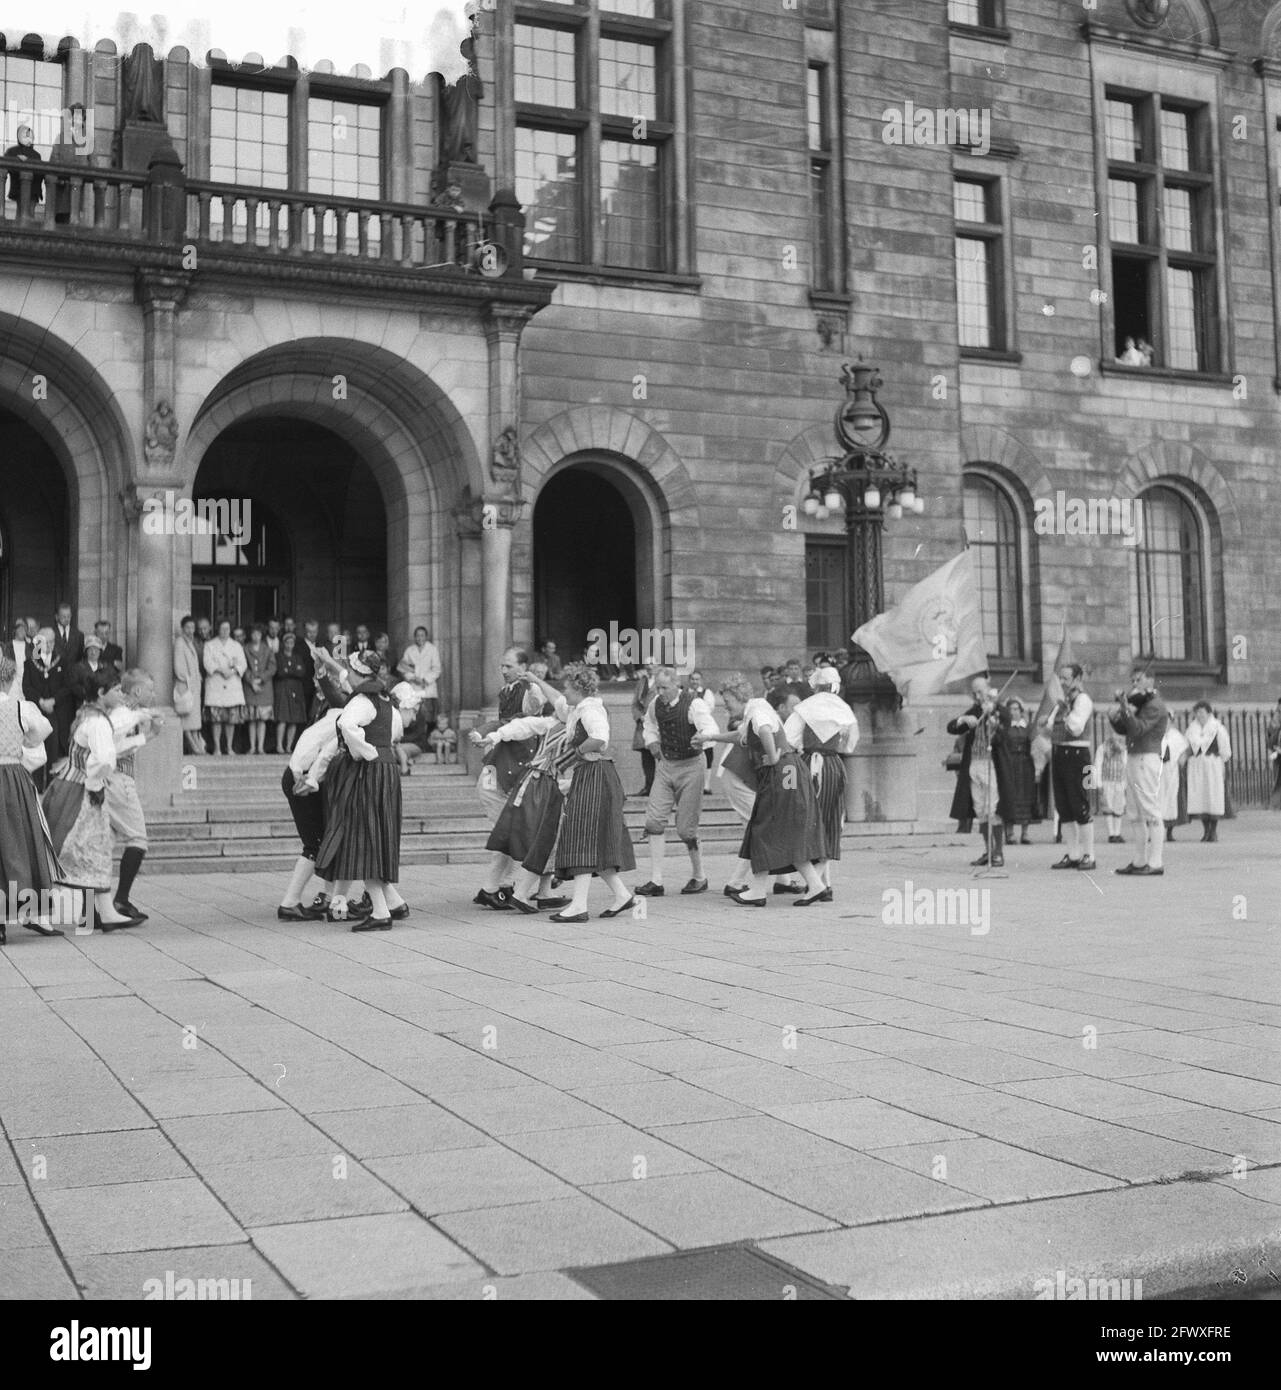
x,y
504,468
1149,13
161,440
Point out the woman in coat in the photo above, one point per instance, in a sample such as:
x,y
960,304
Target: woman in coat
x,y
291,692
1015,770
187,682
258,680
1208,753
224,660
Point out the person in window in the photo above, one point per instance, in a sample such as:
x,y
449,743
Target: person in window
x,y
1131,357
25,150
1209,751
1146,351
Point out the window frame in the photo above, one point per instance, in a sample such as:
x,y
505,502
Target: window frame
x,y
590,21
997,232
837,545
38,58
990,24
1122,73
1024,541
1202,662
829,260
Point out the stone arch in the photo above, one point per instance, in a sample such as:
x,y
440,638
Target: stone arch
x,y
1186,21
999,449
406,430
1176,462
82,423
645,468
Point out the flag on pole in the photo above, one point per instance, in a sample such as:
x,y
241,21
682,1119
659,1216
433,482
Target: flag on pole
x,y
934,637
1053,686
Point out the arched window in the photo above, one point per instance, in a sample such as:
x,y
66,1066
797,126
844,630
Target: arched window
x,y
1168,616
994,528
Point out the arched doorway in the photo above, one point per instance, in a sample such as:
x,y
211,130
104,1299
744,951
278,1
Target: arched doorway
x,y
585,558
35,526
313,538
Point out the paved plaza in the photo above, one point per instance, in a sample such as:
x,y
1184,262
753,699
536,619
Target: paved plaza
x,y
1078,1075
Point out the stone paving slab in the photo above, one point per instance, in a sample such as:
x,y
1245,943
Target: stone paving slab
x,y
547,1096
209,1268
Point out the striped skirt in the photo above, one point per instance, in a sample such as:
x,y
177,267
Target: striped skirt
x,y
830,791
527,827
593,836
362,820
27,859
785,829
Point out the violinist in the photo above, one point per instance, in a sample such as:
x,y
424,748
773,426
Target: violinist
x,y
977,727
1068,723
1141,715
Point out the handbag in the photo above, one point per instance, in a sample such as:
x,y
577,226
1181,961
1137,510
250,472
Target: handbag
x,y
184,702
954,759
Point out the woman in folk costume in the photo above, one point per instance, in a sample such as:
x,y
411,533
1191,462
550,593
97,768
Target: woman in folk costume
x,y
27,861
526,831
1208,753
824,730
593,839
1015,770
75,804
224,661
1109,780
363,819
503,764
187,682
1174,753
784,833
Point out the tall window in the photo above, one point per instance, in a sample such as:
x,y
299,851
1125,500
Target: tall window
x,y
594,133
1160,207
31,94
980,296
827,625
995,537
824,168
1168,619
985,14
249,136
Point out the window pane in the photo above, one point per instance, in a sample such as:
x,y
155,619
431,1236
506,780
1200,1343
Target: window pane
x,y
628,79
991,526
637,9
821,214
246,123
970,201
1178,219
1175,141
974,282
631,205
1168,616
31,94
825,595
963,11
1182,316
545,66
1123,211
1122,130
815,84
548,189
336,162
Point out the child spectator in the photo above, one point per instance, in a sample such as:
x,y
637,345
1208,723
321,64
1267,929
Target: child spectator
x,y
444,740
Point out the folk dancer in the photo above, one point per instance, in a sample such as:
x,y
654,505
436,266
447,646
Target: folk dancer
x,y
133,723
1109,782
1069,725
313,751
823,728
1174,757
673,719
1142,716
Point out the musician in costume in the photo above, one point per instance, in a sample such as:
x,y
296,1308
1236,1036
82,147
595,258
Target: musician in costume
x,y
1141,715
977,726
1068,723
674,719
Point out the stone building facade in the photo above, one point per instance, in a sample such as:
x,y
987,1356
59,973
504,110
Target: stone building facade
x,y
703,210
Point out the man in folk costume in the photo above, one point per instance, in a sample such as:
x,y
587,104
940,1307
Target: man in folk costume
x,y
674,718
313,751
1143,718
133,722
1209,750
1070,761
1174,755
977,726
823,729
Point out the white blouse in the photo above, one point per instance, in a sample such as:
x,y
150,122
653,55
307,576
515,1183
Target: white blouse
x,y
1200,739
357,712
95,734
760,715
532,725
590,713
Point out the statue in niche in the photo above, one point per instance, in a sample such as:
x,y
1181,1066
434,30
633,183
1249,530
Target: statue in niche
x,y
161,441
460,113
504,467
144,76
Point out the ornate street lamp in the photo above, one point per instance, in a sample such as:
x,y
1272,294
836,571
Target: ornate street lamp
x,y
869,486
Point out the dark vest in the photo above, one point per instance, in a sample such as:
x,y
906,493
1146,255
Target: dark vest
x,y
511,701
674,728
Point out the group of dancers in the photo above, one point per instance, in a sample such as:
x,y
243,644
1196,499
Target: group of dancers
x,y
56,855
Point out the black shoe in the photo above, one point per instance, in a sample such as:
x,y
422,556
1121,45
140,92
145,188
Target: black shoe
x,y
997,861
553,902
1115,840
1066,863
520,905
320,902
353,912
398,914
1023,840
53,931
1087,863
980,863
825,896
495,900
651,890
130,910
573,917
733,892
695,885
618,911
749,902
298,913
1147,871
366,905
1130,869
115,926
372,924
810,901
787,888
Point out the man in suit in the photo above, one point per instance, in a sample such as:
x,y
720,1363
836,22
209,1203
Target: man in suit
x,y
68,640
112,654
44,683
